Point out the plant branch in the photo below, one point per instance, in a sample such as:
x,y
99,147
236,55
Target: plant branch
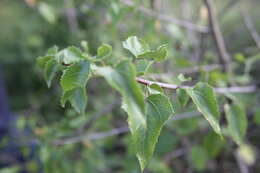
x,y
188,70
115,131
250,26
242,89
224,57
166,18
94,136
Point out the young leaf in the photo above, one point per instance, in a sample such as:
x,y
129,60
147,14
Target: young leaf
x,y
157,55
69,56
50,70
75,76
237,122
204,98
77,98
135,46
182,78
84,45
104,51
155,89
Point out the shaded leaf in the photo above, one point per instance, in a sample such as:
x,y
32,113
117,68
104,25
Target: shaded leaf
x,y
159,109
237,122
182,96
143,66
77,98
204,98
52,51
42,61
199,157
75,76
213,144
50,70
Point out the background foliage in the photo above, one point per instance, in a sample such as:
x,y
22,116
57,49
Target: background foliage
x,y
98,141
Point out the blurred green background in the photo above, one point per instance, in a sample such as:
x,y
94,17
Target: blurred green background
x,y
30,27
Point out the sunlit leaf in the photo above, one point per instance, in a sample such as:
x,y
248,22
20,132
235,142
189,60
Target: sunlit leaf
x,y
135,45
69,56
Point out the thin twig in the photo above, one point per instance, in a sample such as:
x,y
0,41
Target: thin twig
x,y
250,26
224,57
174,154
71,15
116,131
94,136
188,70
103,112
241,164
242,89
166,18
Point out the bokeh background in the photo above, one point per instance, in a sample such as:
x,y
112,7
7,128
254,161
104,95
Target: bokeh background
x,y
37,135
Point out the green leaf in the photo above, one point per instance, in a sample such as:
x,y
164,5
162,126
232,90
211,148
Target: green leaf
x,y
135,46
50,70
213,144
75,76
143,66
257,116
52,51
155,89
84,45
69,56
159,109
237,122
182,78
42,61
77,98
199,157
182,96
145,126
47,12
157,55
104,51
204,98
